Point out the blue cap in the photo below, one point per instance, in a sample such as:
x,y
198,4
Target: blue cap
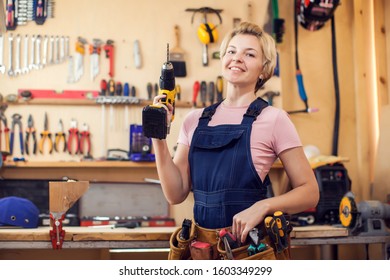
x,y
17,211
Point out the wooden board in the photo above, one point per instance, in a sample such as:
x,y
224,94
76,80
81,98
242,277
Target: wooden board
x,y
318,231
381,187
62,195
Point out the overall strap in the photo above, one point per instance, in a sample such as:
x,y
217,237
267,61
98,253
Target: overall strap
x,y
254,109
207,114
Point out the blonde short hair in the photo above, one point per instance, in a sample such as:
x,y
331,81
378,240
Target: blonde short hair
x,y
267,44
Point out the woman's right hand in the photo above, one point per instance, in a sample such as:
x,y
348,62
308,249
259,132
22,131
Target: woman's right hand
x,y
168,107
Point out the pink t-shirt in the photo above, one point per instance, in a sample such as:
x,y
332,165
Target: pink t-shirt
x,y
272,132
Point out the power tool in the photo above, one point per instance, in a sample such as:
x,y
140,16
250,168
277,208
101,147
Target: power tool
x,y
366,218
154,117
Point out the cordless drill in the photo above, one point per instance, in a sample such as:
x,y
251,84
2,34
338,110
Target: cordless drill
x,y
154,117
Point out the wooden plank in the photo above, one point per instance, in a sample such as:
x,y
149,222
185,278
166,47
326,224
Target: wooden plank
x,y
381,186
62,195
318,231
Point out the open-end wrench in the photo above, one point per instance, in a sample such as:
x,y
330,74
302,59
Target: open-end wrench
x,y
18,70
38,52
67,54
51,53
25,69
2,66
11,47
45,44
57,53
32,65
62,49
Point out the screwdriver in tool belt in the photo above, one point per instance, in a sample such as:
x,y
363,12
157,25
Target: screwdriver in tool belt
x,y
273,233
281,222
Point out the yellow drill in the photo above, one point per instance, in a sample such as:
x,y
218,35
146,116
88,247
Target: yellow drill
x,y
154,117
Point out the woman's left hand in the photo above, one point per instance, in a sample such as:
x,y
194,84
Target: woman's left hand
x,y
246,220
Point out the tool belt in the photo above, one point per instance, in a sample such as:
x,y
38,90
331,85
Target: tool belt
x,y
206,244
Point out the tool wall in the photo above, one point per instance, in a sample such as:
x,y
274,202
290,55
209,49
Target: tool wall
x,y
83,48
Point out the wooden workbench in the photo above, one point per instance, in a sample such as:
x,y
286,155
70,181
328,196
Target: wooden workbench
x,y
158,237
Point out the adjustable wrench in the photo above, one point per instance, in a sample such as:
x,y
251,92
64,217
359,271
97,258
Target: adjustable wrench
x,y
32,56
18,70
38,52
25,69
2,66
11,46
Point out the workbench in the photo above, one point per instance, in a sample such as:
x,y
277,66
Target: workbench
x,y
158,237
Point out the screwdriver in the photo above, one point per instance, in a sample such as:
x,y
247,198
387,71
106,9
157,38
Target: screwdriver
x,y
203,93
118,89
178,92
149,89
103,87
195,92
211,92
111,87
219,88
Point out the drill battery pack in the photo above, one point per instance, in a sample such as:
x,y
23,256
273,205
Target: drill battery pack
x,y
154,122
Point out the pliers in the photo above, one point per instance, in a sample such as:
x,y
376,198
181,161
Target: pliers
x,y
46,135
3,119
85,137
73,135
60,136
31,131
16,120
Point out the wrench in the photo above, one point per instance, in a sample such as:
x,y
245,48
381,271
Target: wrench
x,y
51,53
2,66
25,69
62,49
57,54
45,43
18,70
38,52
32,65
11,46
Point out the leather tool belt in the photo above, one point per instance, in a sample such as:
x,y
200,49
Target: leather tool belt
x,y
210,244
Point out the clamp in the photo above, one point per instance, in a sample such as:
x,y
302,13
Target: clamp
x,y
57,234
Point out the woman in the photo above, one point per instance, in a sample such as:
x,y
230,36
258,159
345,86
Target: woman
x,y
225,152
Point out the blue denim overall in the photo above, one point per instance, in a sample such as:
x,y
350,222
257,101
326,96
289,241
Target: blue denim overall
x,y
224,179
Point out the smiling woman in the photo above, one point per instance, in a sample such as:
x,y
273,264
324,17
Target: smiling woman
x,y
226,150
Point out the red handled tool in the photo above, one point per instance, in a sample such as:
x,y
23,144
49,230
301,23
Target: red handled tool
x,y
73,136
85,139
109,49
195,93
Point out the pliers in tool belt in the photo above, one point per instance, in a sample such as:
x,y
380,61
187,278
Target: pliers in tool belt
x,y
16,120
46,135
73,135
85,139
31,131
60,137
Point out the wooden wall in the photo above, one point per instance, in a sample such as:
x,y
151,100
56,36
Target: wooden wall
x,y
151,22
